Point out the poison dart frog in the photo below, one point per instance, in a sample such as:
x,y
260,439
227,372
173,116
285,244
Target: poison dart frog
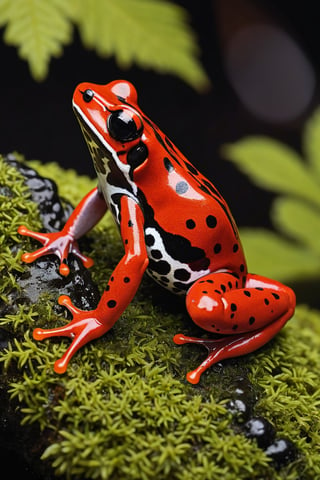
x,y
174,225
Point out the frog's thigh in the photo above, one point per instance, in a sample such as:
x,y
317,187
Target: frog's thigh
x,y
217,304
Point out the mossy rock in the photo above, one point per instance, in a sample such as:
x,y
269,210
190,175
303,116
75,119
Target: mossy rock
x,y
124,410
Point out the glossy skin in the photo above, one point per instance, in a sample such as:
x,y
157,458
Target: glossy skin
x,y
174,224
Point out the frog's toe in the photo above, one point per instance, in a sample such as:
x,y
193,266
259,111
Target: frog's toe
x,y
87,261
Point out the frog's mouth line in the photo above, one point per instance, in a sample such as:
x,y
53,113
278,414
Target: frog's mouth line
x,y
93,132
84,120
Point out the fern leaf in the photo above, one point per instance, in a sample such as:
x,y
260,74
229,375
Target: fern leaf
x,y
5,7
311,141
151,33
38,28
275,166
299,220
273,256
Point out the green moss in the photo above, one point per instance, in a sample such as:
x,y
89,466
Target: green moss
x,y
124,409
15,206
289,376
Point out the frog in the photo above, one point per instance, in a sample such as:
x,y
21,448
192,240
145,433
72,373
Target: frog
x,y
174,225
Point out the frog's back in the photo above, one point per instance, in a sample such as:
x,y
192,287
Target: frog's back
x,y
189,229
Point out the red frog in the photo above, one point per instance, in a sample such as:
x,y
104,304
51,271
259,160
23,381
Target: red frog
x,y
174,225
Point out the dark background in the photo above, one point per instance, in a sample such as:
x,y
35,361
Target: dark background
x,y
36,119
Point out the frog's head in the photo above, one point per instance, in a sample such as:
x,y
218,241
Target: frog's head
x,y
113,128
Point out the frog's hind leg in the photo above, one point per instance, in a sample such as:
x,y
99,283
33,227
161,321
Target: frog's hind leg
x,y
248,317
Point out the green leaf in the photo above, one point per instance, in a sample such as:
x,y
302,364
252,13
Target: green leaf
x,y
271,255
4,11
298,219
38,28
273,165
152,33
311,141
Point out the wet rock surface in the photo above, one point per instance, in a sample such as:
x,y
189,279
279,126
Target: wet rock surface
x,y
42,276
44,193
244,396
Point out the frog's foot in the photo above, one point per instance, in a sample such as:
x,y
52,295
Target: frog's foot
x,y
57,243
84,327
215,348
230,346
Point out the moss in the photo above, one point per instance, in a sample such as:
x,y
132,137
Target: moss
x,y
289,376
124,409
15,204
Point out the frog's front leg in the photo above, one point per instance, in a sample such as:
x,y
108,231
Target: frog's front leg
x,y
89,211
120,290
248,317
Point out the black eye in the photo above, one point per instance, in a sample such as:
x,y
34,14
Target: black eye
x,y
137,155
122,127
87,95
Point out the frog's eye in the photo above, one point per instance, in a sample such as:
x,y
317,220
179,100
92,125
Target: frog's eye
x,y
122,127
87,95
